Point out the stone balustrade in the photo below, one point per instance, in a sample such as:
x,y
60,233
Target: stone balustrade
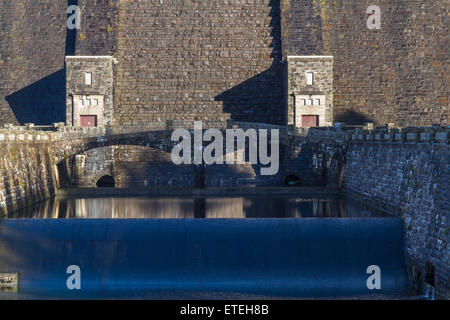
x,y
41,134
405,135
343,134
258,126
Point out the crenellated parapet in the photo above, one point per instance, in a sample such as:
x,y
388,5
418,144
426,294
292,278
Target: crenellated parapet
x,y
343,134
30,133
339,133
60,132
433,134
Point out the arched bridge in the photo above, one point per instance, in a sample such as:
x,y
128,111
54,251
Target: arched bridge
x,y
297,151
70,145
69,141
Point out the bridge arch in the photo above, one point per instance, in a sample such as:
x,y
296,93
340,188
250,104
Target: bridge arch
x,y
106,181
128,166
142,173
65,149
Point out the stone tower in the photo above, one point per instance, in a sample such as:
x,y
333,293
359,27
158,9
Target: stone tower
x,y
310,91
89,91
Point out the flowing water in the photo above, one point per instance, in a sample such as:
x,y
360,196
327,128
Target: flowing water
x,y
200,248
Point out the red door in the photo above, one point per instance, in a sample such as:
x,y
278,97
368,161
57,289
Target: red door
x,y
88,121
310,121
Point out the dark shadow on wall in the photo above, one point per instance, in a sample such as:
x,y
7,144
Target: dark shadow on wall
x,y
153,174
64,169
352,118
42,102
7,191
308,165
260,98
71,35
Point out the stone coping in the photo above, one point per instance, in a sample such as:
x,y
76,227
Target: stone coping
x,y
60,132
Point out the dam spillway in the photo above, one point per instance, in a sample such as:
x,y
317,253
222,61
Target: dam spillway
x,y
313,257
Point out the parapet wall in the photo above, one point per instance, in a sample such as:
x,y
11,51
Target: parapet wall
x,y
406,173
433,134
410,180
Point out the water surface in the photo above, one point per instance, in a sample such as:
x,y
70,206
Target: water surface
x,y
188,208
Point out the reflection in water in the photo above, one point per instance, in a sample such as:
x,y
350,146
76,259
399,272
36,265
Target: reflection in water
x,y
179,207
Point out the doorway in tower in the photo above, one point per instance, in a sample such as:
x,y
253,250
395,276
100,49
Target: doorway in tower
x,y
310,121
88,121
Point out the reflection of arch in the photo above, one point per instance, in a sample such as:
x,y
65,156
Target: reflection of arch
x,y
292,180
106,182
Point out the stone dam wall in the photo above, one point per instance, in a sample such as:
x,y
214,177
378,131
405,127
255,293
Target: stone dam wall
x,y
218,59
392,75
199,60
32,50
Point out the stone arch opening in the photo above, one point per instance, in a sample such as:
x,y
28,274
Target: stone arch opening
x,y
292,180
106,182
131,165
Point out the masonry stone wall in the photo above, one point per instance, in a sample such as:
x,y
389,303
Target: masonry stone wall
x,y
199,60
32,49
393,75
27,174
147,167
144,167
91,165
314,160
98,33
131,167
410,180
